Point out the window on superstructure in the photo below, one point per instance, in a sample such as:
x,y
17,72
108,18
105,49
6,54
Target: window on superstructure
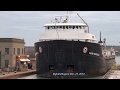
x,y
70,27
60,27
50,27
66,27
73,27
76,27
63,27
80,27
57,27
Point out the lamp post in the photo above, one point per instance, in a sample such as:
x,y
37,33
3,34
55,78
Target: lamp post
x,y
119,50
27,62
17,63
28,56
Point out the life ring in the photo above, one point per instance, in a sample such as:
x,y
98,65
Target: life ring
x,y
40,49
85,49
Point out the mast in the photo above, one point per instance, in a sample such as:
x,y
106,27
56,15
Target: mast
x,y
68,16
100,35
101,42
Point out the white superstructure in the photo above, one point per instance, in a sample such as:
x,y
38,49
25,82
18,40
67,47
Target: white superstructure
x,y
66,30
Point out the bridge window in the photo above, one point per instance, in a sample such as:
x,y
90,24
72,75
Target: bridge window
x,y
50,27
60,27
63,27
70,27
73,27
76,27
80,27
66,27
57,27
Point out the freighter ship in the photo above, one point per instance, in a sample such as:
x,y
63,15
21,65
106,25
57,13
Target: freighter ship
x,y
67,50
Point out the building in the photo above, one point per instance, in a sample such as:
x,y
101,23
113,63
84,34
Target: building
x,y
9,49
30,50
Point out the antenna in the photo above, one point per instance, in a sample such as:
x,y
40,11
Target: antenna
x,y
83,21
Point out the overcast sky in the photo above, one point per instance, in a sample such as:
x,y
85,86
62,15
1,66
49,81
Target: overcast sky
x,y
28,25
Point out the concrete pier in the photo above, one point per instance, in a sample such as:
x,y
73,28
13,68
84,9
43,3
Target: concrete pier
x,y
114,73
13,75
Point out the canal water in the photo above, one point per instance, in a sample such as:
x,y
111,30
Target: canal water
x,y
35,76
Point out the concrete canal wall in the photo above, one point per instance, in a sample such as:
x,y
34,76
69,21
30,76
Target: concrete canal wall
x,y
17,75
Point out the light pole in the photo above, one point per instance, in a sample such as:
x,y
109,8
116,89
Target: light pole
x,y
17,63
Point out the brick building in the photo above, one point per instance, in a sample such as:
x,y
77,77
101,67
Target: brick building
x,y
9,49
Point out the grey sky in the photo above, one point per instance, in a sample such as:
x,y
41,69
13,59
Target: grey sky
x,y
29,24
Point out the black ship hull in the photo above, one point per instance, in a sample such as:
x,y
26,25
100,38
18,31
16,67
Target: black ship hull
x,y
70,59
